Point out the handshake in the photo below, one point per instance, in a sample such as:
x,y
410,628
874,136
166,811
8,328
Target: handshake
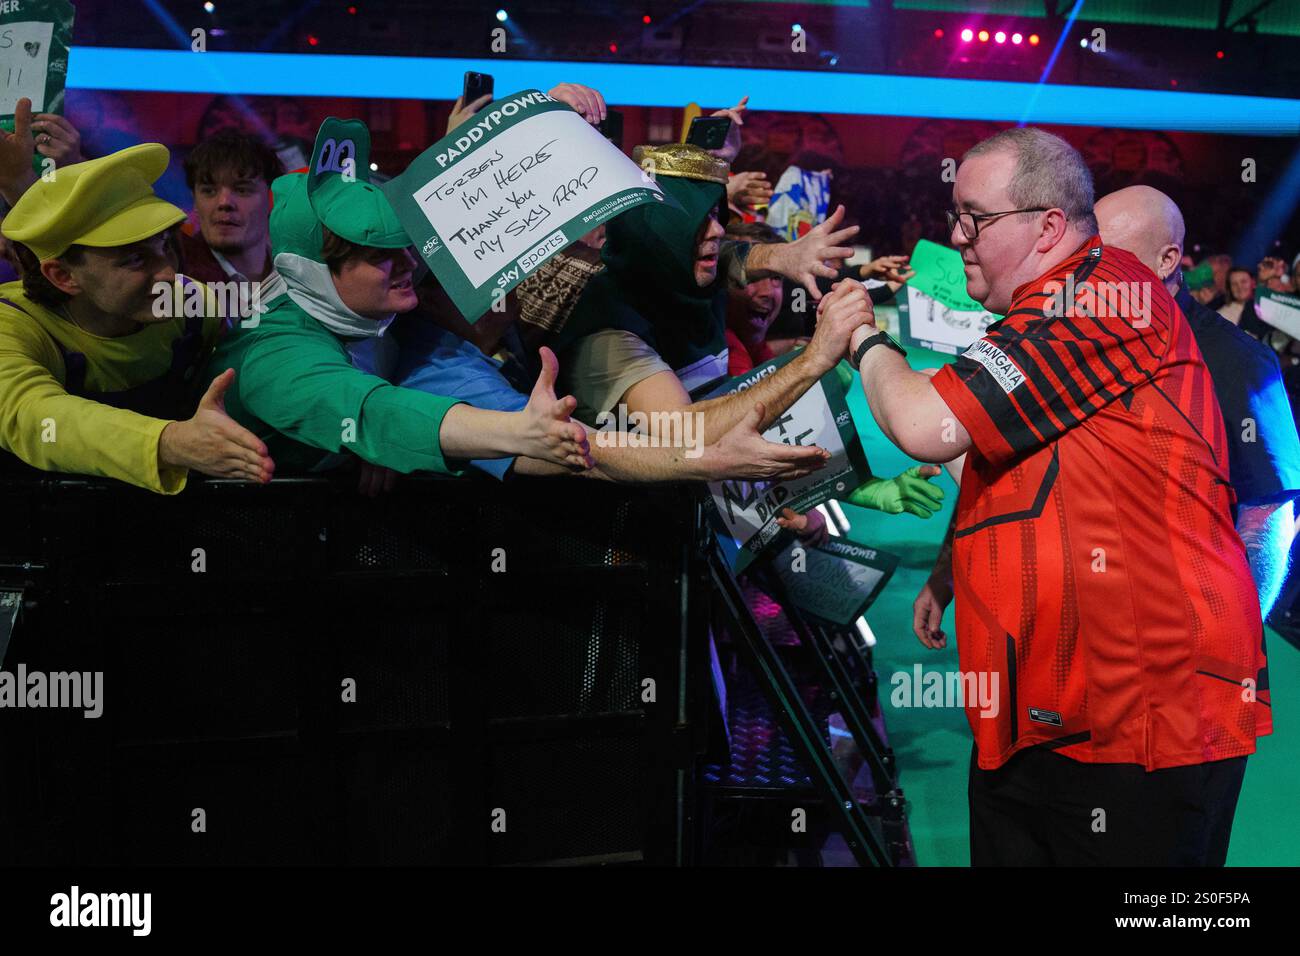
x,y
844,318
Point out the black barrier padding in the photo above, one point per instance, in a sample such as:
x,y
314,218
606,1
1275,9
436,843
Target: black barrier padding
x,y
475,688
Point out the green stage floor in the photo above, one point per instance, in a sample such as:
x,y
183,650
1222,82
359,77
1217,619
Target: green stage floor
x,y
933,744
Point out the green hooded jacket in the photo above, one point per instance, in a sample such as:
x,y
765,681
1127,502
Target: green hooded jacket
x,y
295,385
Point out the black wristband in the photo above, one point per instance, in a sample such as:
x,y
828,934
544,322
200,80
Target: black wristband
x,y
880,338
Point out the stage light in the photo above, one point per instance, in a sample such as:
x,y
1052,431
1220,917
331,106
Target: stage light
x,y
1083,43
1218,54
984,36
210,6
967,35
374,167
938,33
613,48
1033,39
999,37
502,16
797,28
352,11
646,19
1016,38
312,40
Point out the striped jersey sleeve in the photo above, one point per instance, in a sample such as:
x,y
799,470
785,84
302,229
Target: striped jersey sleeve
x,y
1063,352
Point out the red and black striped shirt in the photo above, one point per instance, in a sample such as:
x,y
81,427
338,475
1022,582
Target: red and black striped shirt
x,y
1097,570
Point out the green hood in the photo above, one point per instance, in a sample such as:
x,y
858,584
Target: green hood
x,y
336,193
648,286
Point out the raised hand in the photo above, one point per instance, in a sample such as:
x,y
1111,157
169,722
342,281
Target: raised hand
x,y
749,189
57,138
743,454
731,146
816,254
214,443
544,430
16,150
584,99
461,112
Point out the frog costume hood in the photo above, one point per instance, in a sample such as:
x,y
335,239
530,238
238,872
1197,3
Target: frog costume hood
x,y
335,192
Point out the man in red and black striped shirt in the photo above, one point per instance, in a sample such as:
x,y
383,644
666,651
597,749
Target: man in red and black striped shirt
x,y
1101,588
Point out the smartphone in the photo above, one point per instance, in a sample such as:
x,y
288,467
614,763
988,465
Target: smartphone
x,y
476,85
611,127
709,132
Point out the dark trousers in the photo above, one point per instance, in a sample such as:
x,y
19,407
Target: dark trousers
x,y
1042,809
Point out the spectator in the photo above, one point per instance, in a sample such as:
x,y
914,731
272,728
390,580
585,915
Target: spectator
x,y
752,307
1263,448
1240,307
94,380
649,331
435,357
348,270
230,175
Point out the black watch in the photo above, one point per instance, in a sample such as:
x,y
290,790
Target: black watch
x,y
880,338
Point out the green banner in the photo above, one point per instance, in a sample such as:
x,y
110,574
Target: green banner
x,y
836,582
936,313
497,196
744,513
34,40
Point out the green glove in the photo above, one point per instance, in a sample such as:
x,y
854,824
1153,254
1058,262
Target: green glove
x,y
911,492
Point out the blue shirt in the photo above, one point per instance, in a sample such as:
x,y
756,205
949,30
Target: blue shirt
x,y
434,360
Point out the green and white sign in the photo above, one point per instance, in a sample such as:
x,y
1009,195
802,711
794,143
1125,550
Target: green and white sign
x,y
745,512
34,40
937,313
1279,309
496,197
837,581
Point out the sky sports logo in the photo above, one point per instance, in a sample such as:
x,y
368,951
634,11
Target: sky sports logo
x,y
998,363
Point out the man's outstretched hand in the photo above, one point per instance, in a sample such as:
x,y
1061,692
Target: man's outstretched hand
x,y
214,443
817,254
545,430
743,454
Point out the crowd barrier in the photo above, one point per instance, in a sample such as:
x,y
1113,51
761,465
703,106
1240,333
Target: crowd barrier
x,y
457,672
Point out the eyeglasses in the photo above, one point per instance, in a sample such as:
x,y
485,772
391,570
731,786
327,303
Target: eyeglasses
x,y
970,221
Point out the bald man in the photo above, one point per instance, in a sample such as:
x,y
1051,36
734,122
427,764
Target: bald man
x,y
1263,447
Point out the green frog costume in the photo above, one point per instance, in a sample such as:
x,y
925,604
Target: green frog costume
x,y
296,386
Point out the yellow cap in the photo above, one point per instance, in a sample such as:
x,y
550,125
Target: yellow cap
x,y
102,202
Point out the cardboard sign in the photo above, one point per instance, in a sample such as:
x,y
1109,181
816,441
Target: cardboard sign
x,y
838,581
34,40
1279,309
745,512
937,313
504,191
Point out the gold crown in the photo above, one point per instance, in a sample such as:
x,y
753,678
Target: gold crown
x,y
682,160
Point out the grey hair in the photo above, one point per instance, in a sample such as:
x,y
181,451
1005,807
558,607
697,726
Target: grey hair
x,y
1049,172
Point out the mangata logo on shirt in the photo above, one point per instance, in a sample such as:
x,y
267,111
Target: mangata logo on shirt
x,y
998,363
